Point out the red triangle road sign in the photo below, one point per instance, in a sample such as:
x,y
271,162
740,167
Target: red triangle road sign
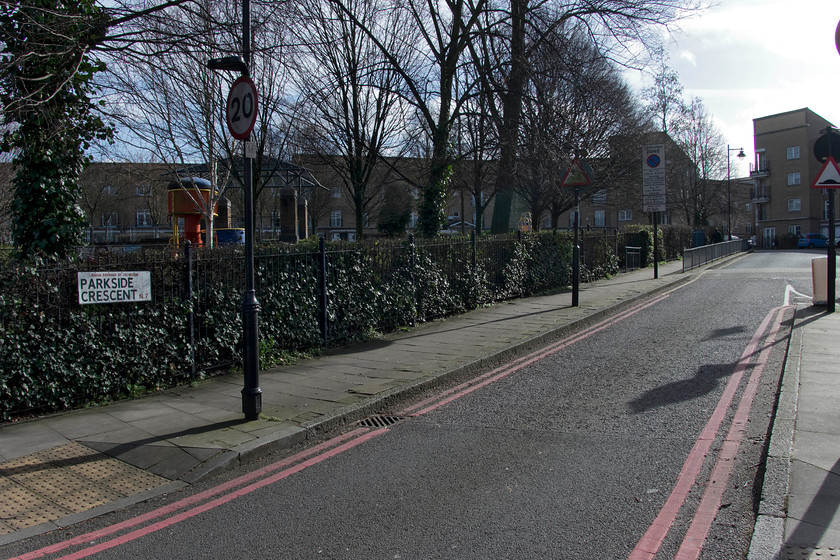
x,y
828,177
576,175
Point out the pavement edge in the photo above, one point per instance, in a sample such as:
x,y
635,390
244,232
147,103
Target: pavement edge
x,y
768,535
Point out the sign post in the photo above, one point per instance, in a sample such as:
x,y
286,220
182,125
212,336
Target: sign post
x,y
829,178
577,175
654,194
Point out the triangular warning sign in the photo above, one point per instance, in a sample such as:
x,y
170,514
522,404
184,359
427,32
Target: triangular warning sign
x,y
828,177
576,176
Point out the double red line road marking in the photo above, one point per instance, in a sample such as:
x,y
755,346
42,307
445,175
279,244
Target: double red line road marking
x,y
166,516
698,529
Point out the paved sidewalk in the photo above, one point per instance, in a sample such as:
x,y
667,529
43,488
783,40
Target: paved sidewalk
x,y
65,468
799,515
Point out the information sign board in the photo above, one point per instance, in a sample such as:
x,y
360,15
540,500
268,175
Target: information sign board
x,y
654,197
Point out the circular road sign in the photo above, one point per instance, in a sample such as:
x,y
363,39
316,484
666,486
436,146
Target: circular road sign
x,y
242,108
837,37
653,160
821,151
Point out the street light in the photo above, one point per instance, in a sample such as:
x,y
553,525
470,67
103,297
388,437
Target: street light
x,y
251,392
741,155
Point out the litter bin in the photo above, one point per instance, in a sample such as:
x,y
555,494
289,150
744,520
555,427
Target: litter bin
x,y
819,277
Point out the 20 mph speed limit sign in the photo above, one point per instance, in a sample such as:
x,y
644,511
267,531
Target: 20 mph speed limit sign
x,y
242,108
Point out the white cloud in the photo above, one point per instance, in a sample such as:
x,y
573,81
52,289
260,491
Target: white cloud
x,y
688,56
752,58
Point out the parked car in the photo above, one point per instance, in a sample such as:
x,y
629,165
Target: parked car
x,y
813,241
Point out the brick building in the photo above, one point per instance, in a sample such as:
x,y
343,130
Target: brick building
x,y
784,204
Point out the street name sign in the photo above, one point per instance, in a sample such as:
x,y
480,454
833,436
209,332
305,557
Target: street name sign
x,y
654,197
114,287
241,112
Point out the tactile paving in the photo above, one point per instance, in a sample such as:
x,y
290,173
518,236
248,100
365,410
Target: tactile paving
x,y
809,552
71,478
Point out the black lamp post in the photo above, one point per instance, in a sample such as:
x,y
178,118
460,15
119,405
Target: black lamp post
x,y
741,155
251,392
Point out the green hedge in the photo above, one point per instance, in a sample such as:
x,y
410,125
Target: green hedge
x,y
56,354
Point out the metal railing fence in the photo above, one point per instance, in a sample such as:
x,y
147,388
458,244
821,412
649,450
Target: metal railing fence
x,y
698,256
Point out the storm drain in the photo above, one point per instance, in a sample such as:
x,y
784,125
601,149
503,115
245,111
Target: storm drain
x,y
380,421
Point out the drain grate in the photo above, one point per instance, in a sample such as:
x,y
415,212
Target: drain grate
x,y
380,421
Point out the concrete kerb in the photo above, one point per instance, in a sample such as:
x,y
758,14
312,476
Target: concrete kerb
x,y
768,535
377,403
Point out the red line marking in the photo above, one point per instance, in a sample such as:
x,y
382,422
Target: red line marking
x,y
651,541
84,553
516,365
186,502
706,512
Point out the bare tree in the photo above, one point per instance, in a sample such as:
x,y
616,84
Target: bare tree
x,y
698,193
429,72
610,25
353,107
173,110
576,103
173,106
664,97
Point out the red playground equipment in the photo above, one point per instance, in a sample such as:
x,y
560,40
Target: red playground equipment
x,y
182,204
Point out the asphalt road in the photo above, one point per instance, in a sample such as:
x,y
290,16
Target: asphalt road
x,y
569,455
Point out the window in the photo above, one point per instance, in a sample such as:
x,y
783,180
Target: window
x,y
599,197
600,218
109,189
110,219
547,221
143,190
336,192
793,152
794,204
795,231
144,218
572,219
625,215
794,178
335,218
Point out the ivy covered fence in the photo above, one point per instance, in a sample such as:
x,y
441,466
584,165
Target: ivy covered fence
x,y
57,354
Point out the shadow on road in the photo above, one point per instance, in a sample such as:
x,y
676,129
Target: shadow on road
x,y
704,382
